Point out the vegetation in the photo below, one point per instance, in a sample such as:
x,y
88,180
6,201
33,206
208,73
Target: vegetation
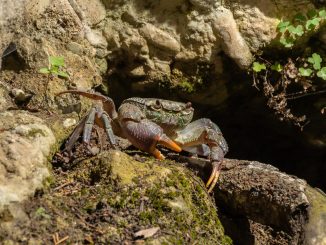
x,y
56,65
303,75
301,24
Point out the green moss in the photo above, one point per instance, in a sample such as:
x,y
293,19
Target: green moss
x,y
186,86
103,197
41,212
34,132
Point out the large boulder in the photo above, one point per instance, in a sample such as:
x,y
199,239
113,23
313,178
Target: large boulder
x,y
261,205
116,198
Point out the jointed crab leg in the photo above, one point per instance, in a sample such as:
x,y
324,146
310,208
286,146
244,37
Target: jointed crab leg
x,y
89,125
108,128
204,132
75,134
216,157
96,115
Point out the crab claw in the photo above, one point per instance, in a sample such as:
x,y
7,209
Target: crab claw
x,y
216,156
146,135
167,142
214,176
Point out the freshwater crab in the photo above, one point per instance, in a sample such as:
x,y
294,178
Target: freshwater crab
x,y
146,122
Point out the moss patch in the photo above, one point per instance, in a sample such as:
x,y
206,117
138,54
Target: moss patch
x,y
107,198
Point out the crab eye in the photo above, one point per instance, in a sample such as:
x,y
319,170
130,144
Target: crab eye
x,y
188,105
157,105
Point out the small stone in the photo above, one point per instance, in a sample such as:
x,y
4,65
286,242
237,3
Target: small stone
x,y
96,39
69,122
76,48
138,71
20,95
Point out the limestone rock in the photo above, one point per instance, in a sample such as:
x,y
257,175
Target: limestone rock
x,y
25,145
160,38
233,43
94,14
5,101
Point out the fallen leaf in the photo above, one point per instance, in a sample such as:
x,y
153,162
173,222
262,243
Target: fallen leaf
x,y
147,232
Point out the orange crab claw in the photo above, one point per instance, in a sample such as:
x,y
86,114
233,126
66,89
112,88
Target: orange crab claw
x,y
157,154
167,142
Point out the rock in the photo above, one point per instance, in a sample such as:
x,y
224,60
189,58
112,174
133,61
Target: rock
x,y
5,101
25,145
20,95
94,14
96,38
269,207
233,43
102,65
315,233
76,48
257,23
159,38
116,195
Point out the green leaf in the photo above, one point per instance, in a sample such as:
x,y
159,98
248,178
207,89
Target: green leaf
x,y
258,67
315,60
291,28
288,42
63,74
311,24
305,72
277,67
44,70
282,26
54,69
322,13
312,13
300,17
56,61
322,73
298,30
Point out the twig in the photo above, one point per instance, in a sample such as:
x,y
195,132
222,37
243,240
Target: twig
x,y
301,94
63,185
57,240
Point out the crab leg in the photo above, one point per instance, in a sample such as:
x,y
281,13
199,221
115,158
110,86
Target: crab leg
x,y
217,156
89,125
108,128
198,134
75,134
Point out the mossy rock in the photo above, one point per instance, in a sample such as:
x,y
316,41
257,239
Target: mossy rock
x,y
107,198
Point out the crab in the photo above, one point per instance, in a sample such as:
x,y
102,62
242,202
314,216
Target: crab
x,y
147,122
